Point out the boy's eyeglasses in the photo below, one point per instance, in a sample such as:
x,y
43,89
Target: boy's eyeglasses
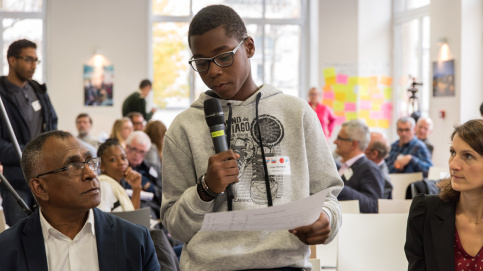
x,y
221,60
77,168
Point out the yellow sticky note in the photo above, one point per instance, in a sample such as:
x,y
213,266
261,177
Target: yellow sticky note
x,y
364,114
329,72
351,97
376,106
387,93
330,81
339,96
351,115
353,80
383,124
373,81
363,91
371,123
338,106
338,88
374,90
365,97
363,81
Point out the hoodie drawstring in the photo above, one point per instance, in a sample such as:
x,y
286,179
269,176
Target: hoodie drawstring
x,y
264,161
229,198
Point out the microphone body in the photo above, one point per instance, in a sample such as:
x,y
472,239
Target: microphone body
x,y
215,120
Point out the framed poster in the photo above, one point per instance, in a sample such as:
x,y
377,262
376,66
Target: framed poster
x,y
443,78
98,85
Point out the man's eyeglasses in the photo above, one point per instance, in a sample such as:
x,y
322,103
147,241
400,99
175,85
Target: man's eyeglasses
x,y
136,150
221,60
344,139
29,60
403,130
77,168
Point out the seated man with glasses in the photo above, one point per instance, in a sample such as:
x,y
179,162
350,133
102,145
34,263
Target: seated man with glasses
x,y
68,232
408,154
363,180
137,145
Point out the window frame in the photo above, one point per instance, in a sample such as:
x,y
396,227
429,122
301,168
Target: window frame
x,y
304,22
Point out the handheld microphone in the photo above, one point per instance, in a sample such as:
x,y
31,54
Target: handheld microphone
x,y
216,122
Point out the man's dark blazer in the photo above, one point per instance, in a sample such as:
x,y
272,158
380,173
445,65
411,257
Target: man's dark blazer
x,y
430,234
366,185
121,245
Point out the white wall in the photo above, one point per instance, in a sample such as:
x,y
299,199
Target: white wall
x,y
460,22
75,29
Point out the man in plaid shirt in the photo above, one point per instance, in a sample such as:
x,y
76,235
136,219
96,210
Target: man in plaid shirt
x,y
408,154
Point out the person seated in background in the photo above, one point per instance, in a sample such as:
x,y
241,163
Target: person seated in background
x,y
324,113
156,131
376,152
114,168
138,144
481,110
408,154
121,129
445,231
83,123
362,178
137,120
136,102
67,232
424,127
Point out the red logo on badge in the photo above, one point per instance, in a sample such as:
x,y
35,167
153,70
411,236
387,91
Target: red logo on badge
x,y
281,160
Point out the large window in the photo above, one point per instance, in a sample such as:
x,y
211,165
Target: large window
x,y
412,59
275,25
22,19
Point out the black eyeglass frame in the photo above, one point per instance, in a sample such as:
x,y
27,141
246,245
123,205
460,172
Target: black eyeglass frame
x,y
344,139
231,53
29,59
96,160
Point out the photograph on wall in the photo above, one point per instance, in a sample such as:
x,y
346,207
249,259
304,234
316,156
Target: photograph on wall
x,y
443,78
98,85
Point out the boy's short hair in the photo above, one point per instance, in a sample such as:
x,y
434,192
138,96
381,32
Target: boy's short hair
x,y
213,16
16,47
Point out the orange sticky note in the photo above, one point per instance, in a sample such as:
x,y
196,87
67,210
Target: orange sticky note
x,y
387,81
383,123
373,81
327,88
328,102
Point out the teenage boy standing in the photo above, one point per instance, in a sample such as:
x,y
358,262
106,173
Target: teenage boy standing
x,y
194,177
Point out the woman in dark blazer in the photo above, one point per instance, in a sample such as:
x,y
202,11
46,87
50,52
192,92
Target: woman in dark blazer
x,y
445,231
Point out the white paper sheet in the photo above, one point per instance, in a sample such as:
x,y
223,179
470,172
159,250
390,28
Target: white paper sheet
x,y
147,196
283,217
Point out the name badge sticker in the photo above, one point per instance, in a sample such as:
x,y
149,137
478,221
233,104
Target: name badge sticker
x,y
153,172
278,165
36,105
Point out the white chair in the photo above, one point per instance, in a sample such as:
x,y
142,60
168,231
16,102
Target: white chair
x,y
438,173
315,264
327,254
350,206
372,242
140,216
394,206
401,181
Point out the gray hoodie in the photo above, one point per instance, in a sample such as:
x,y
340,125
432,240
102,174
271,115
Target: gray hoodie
x,y
292,135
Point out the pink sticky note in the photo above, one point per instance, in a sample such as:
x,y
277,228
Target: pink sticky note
x,y
351,107
376,115
386,109
328,95
339,120
365,104
342,79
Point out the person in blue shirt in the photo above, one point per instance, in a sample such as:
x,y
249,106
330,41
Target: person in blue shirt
x,y
408,154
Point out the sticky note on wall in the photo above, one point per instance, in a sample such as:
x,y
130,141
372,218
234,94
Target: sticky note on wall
x,y
329,72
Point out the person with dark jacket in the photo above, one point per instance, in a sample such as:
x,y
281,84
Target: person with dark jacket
x,y
136,102
30,113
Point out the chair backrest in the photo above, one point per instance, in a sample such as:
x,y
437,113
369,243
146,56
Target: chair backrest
x,y
394,206
350,206
372,242
438,173
401,181
141,216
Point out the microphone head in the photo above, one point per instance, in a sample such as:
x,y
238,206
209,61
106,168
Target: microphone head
x,y
213,112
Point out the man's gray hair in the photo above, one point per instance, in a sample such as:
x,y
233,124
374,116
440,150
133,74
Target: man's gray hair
x,y
428,120
406,120
358,130
32,153
140,137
